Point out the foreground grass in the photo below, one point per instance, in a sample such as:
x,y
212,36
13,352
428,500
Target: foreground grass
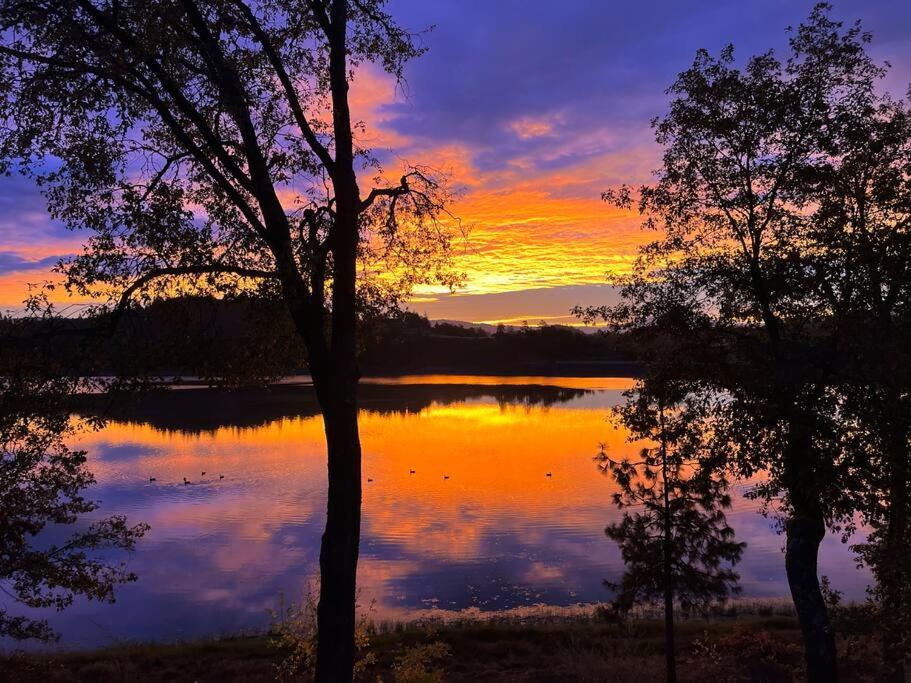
x,y
747,648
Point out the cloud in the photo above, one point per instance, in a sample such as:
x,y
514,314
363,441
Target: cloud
x,y
550,304
25,225
13,262
529,127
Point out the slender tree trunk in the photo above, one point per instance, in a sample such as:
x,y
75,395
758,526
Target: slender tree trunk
x,y
804,534
806,528
335,379
895,574
670,655
339,549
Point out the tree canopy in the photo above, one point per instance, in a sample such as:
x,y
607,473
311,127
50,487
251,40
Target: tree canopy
x,y
195,141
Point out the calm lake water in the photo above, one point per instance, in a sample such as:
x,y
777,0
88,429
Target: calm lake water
x,y
498,534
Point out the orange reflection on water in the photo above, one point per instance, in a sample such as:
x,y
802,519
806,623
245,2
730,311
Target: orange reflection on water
x,y
473,454
481,469
496,459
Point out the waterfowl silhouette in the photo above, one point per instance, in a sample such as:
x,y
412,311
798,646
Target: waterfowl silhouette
x,y
151,479
547,474
185,481
221,476
410,471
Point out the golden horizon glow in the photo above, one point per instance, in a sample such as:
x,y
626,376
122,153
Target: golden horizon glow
x,y
527,229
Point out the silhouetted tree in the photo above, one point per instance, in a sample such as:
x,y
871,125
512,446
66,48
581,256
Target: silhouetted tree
x,y
741,270
43,488
208,145
863,220
883,483
677,545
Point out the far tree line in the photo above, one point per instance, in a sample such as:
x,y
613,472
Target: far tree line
x,y
252,341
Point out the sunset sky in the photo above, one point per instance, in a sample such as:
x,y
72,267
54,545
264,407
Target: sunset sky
x,y
535,108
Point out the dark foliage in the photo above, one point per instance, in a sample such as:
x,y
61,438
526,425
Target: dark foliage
x,y
671,492
781,278
43,487
677,545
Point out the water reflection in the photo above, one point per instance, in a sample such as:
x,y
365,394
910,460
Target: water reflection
x,y
194,409
496,534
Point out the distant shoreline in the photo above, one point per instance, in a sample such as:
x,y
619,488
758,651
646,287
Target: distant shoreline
x,y
606,368
567,369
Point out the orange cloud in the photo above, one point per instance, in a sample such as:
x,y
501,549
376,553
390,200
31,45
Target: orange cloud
x,y
529,127
527,228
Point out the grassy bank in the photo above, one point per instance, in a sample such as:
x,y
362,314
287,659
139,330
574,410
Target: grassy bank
x,y
746,648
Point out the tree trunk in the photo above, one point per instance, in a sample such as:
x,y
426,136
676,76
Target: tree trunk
x,y
669,655
339,549
894,571
805,531
804,534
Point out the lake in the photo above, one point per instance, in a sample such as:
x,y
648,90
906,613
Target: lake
x,y
497,534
